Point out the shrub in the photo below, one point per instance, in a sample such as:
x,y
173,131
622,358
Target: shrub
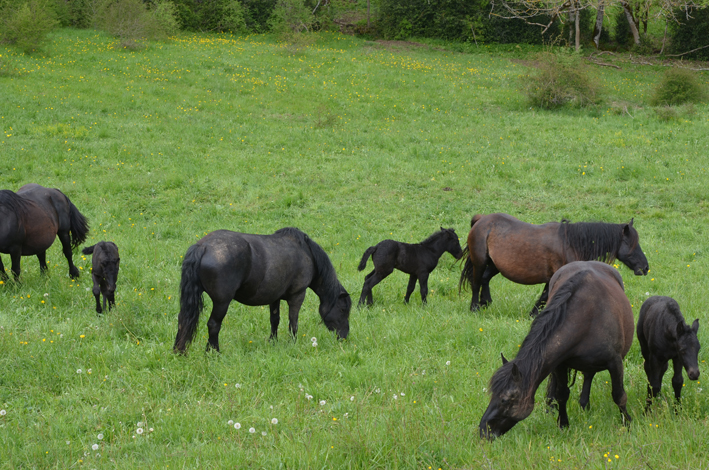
x,y
27,24
292,22
623,36
131,20
677,86
690,33
560,79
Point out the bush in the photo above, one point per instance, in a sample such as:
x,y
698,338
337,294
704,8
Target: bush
x,y
677,86
560,79
27,24
690,33
131,20
623,36
292,22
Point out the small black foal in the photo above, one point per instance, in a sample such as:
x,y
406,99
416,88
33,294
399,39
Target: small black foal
x,y
104,272
417,260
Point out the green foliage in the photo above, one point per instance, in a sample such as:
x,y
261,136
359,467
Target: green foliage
x,y
558,80
213,15
622,35
292,22
691,33
25,25
677,86
456,20
132,20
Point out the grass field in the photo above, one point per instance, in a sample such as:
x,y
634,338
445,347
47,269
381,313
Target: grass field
x,y
352,142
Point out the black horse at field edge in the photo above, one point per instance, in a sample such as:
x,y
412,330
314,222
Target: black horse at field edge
x,y
258,270
415,259
105,264
530,254
31,219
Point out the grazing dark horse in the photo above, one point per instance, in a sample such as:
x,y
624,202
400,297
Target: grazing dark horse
x,y
530,254
664,335
417,260
31,219
104,271
587,325
258,270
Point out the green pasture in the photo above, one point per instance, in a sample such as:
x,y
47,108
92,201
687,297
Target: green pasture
x,y
352,142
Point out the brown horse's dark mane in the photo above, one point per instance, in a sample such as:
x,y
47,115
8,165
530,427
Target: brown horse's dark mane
x,y
531,356
15,203
595,241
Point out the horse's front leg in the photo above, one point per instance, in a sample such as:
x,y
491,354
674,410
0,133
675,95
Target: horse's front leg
x,y
275,318
97,293
618,391
68,254
214,324
423,286
677,378
15,257
410,288
585,397
561,394
294,304
542,300
3,274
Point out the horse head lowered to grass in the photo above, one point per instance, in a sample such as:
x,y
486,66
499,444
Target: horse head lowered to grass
x,y
587,326
30,221
258,270
531,254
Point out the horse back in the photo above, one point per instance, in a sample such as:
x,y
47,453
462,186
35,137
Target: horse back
x,y
600,319
254,269
523,253
53,201
657,323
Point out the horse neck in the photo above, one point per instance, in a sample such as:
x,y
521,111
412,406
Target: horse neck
x,y
436,246
535,367
326,288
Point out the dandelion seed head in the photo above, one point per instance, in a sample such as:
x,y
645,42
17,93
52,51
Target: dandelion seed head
x,y
274,421
322,402
237,425
139,431
252,430
94,447
100,437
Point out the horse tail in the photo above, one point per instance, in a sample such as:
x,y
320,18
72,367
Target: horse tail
x,y
475,218
89,250
191,302
466,275
78,226
365,257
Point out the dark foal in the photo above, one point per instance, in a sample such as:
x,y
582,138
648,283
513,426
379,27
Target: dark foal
x,y
417,260
664,335
104,271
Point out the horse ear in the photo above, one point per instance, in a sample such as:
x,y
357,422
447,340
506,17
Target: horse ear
x,y
695,326
631,221
516,375
504,361
442,229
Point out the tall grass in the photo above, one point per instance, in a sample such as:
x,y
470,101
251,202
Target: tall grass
x,y
352,143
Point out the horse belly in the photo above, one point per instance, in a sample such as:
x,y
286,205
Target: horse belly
x,y
526,263
39,236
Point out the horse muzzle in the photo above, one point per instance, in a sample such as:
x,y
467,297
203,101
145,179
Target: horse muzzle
x,y
693,374
642,271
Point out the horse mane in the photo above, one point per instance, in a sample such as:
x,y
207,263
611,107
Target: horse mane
x,y
594,241
14,202
331,287
531,353
435,236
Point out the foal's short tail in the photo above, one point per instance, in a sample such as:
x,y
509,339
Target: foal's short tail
x,y
89,250
191,303
365,257
78,226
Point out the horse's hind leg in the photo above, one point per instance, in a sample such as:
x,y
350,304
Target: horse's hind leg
x,y
654,370
410,288
275,318
586,389
423,285
68,254
370,282
215,323
618,391
490,272
366,294
3,274
542,300
97,294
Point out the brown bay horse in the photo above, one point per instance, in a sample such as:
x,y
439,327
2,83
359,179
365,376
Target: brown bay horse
x,y
530,254
30,221
586,326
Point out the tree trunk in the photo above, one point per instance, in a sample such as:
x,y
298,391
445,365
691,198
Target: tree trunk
x,y
367,15
578,30
599,24
631,22
571,20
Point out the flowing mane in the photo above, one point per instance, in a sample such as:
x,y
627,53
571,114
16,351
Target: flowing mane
x,y
435,236
531,354
595,241
329,286
15,203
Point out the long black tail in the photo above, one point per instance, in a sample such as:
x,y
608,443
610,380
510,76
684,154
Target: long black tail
x,y
89,250
365,257
191,302
466,275
78,226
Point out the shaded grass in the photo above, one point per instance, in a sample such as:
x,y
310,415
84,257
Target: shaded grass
x,y
353,144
